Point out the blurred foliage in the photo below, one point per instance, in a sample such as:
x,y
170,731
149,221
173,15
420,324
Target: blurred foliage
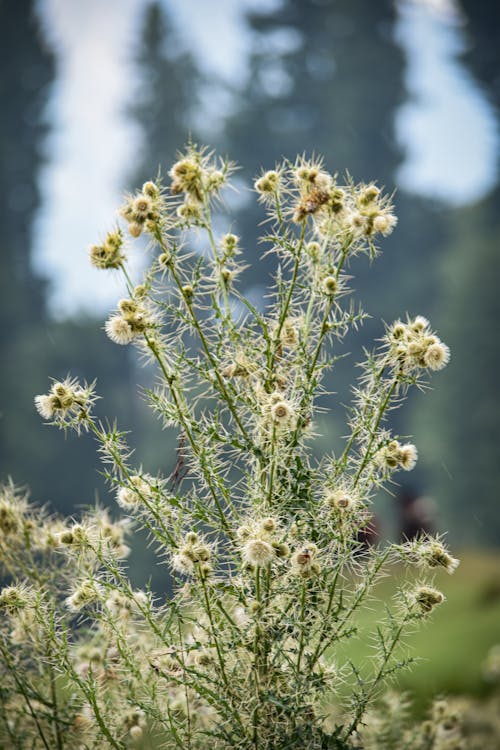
x,y
34,346
461,422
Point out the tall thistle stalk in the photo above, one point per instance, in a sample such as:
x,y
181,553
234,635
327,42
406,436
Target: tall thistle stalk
x,y
263,543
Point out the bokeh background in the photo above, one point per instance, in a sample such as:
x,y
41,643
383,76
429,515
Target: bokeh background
x,y
96,96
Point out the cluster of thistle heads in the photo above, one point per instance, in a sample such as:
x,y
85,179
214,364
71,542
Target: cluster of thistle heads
x,y
264,543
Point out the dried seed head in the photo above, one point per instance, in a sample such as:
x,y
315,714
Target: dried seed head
x,y
187,292
369,194
407,456
142,206
258,552
436,555
419,324
119,330
269,525
46,406
313,249
282,413
341,501
436,356
384,224
15,598
304,562
164,260
186,177
86,593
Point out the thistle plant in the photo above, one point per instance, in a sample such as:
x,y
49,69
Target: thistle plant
x,y
261,542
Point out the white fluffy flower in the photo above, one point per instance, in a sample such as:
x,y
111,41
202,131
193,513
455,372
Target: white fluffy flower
x,y
119,330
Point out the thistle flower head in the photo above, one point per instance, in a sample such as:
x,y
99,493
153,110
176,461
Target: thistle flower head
x,y
15,598
229,244
193,556
139,489
258,552
282,412
314,251
268,183
189,211
428,552
435,555
407,456
186,176
329,285
87,592
414,346
436,356
341,501
304,561
109,254
13,510
384,223
68,404
142,211
426,598
119,330
394,455
77,535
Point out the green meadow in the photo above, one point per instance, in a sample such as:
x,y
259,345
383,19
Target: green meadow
x,y
453,644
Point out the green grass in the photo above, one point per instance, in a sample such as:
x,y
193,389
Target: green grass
x,y
454,642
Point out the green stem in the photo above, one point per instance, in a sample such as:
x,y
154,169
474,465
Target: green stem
x,y
213,244
24,693
284,311
373,434
192,441
302,626
367,583
378,677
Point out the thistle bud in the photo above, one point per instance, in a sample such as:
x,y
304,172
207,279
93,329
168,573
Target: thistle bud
x,y
329,285
150,189
426,598
268,183
135,229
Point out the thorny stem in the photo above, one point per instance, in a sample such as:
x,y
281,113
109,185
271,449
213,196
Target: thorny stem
x,y
208,610
322,334
186,693
101,435
180,408
302,625
53,694
325,621
257,665
90,694
342,462
190,436
363,590
378,677
24,693
206,348
284,311
213,244
373,434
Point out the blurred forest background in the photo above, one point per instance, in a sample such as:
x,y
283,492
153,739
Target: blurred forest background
x,y
329,76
